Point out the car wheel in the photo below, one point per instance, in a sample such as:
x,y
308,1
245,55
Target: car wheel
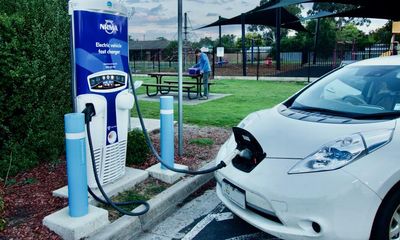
x,y
387,220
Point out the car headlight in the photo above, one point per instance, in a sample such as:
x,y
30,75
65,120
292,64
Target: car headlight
x,y
343,151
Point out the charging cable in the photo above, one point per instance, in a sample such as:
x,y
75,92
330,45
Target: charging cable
x,y
89,112
151,146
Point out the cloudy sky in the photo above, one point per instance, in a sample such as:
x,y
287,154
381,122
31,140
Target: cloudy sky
x,y
158,18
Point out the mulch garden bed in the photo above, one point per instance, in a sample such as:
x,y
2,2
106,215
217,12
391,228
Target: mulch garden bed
x,y
28,196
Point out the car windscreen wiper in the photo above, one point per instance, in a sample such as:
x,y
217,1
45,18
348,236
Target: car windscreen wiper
x,y
383,115
321,110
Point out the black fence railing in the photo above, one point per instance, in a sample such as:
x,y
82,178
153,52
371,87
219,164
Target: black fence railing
x,y
262,61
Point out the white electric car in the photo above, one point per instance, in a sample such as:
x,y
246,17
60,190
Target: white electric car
x,y
324,164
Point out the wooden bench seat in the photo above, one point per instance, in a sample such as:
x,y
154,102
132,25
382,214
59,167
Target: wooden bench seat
x,y
166,88
189,82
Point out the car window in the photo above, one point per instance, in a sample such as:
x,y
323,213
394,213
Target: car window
x,y
355,89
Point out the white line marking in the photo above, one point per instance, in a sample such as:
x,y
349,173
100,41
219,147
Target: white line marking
x,y
223,216
250,236
74,136
205,221
164,111
200,226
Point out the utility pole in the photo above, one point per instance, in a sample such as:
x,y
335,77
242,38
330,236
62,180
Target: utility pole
x,y
180,89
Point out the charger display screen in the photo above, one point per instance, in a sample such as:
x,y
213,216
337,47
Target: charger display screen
x,y
108,81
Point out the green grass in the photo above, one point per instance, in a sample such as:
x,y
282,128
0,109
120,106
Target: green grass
x,y
247,96
142,192
202,141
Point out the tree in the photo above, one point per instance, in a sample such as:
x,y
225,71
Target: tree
x,y
171,51
228,41
269,32
339,7
249,38
382,35
351,34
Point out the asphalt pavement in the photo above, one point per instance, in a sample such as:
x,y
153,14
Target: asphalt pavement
x,y
204,218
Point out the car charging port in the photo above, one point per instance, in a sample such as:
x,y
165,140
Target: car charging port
x,y
250,150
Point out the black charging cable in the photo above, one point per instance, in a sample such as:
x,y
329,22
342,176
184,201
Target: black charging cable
x,y
151,146
89,112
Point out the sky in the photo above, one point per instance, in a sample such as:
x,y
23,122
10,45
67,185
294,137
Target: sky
x,y
158,18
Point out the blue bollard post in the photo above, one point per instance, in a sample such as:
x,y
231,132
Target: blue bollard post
x,y
167,130
75,146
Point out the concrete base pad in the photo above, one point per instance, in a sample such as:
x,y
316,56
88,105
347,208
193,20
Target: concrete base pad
x,y
71,228
130,179
166,175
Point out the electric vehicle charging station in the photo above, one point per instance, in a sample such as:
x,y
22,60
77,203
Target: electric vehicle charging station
x,y
100,87
100,76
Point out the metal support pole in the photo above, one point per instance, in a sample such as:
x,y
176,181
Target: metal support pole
x,y
220,36
159,60
278,39
252,51
180,98
309,66
167,130
185,41
154,61
75,146
213,63
316,41
258,61
244,53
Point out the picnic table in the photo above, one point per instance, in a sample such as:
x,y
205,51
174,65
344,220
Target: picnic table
x,y
172,85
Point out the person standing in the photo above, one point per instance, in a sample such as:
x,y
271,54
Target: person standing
x,y
205,69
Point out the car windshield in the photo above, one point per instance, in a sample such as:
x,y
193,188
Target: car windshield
x,y
355,91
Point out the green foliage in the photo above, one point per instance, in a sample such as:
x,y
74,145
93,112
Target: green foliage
x,y
35,82
383,34
228,40
202,141
137,151
339,7
251,38
171,51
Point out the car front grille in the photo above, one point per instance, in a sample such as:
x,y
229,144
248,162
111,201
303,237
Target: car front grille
x,y
268,215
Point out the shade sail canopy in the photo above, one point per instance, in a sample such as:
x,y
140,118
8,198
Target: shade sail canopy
x,y
383,9
362,12
262,16
285,3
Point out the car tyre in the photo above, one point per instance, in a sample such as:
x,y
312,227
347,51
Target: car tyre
x,y
387,220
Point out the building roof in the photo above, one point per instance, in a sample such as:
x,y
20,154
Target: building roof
x,y
148,45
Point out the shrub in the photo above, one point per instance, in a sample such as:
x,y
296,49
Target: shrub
x,y
35,82
137,151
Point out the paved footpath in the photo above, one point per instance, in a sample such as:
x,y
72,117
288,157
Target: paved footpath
x,y
204,218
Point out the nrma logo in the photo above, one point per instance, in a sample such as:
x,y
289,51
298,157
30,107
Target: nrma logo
x,y
109,27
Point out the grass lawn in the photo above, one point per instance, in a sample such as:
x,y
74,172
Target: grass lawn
x,y
247,96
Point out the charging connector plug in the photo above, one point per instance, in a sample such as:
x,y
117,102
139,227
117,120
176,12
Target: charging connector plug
x,y
89,112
